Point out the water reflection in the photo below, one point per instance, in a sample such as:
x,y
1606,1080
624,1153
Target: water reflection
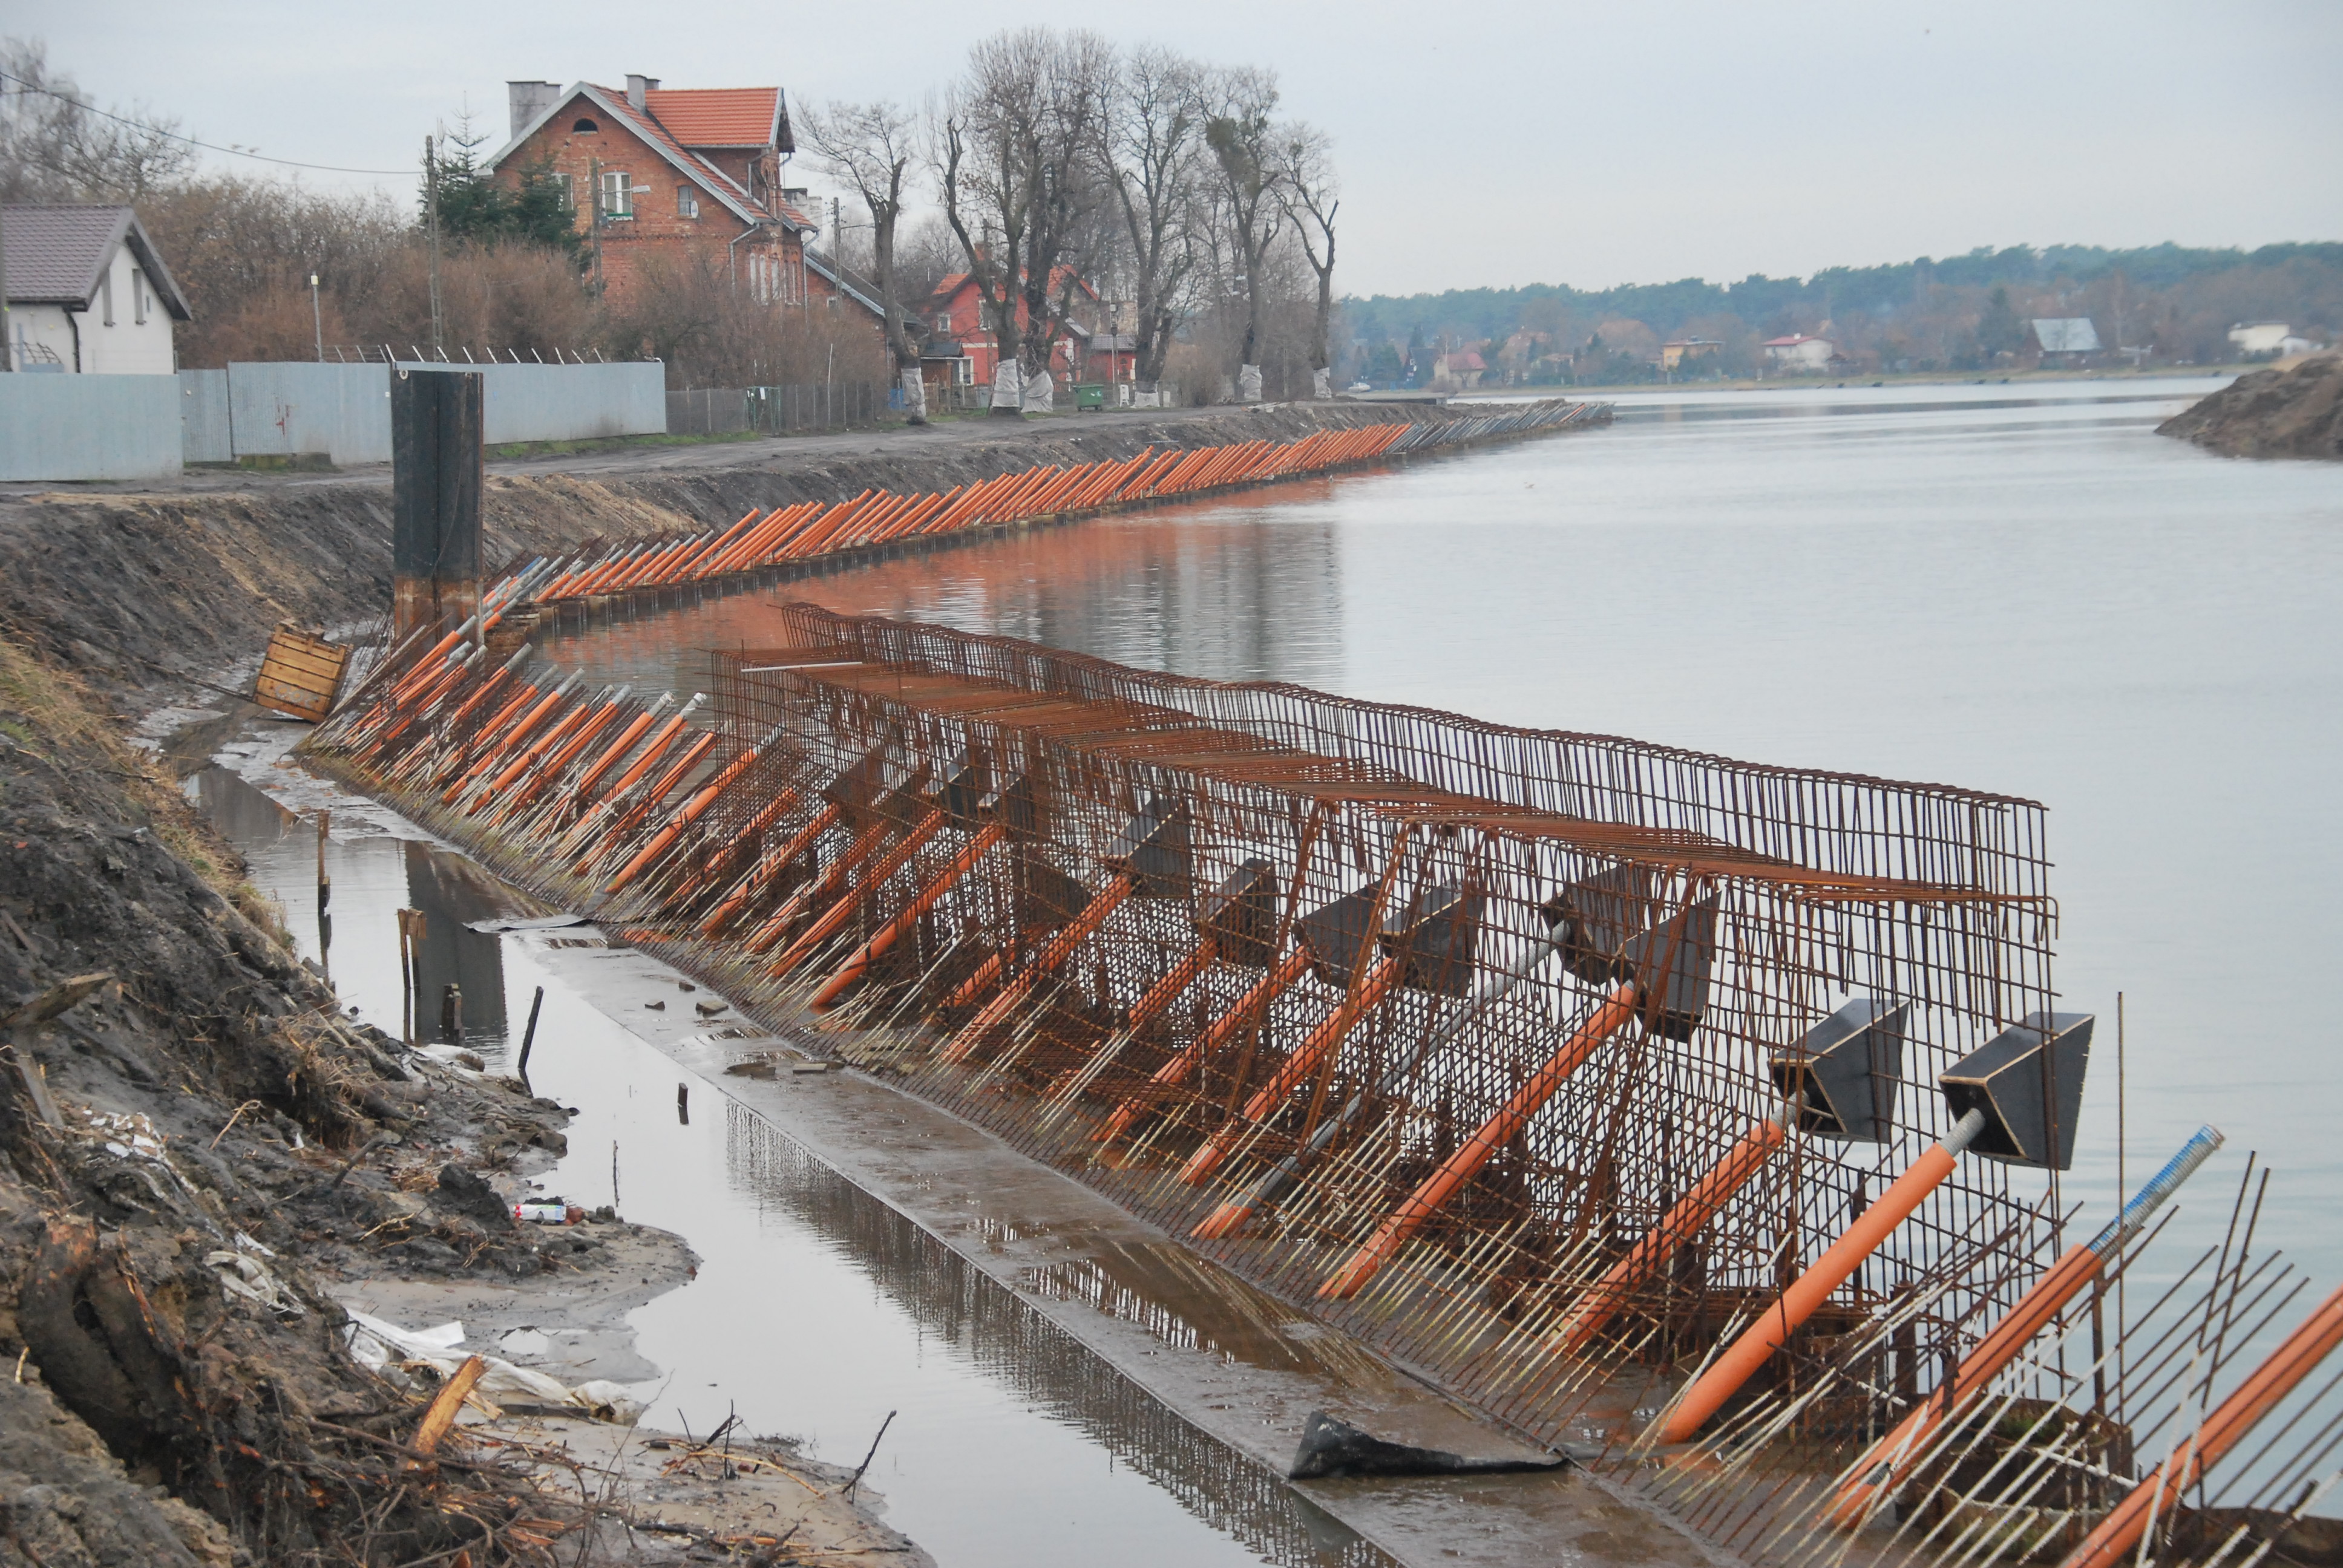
x,y
965,1308
1257,597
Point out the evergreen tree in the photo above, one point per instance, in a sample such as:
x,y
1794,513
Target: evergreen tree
x,y
477,208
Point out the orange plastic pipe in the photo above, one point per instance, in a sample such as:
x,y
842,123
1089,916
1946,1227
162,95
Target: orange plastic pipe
x,y
839,913
568,754
1465,1163
2112,1542
1883,1469
860,849
769,867
1772,1330
975,850
1595,1309
701,799
1324,1039
1060,947
1218,1033
617,749
747,835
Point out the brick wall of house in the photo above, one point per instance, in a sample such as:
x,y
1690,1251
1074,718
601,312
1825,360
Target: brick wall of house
x,y
657,223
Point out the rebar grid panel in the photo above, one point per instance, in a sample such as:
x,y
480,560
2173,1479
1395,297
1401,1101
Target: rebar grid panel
x,y
1003,876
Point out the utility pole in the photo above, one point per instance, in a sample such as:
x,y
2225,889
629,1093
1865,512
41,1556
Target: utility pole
x,y
316,318
7,343
431,216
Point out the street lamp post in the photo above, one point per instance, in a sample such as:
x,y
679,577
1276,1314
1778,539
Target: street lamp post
x,y
317,319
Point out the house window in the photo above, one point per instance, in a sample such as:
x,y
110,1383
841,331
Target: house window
x,y
106,293
686,202
943,324
584,127
138,302
563,193
617,193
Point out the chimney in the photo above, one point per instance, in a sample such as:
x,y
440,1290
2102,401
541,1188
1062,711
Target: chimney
x,y
640,88
528,100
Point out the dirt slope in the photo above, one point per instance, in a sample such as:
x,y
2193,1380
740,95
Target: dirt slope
x,y
2297,412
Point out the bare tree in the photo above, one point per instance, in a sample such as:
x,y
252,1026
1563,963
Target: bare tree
x,y
1155,149
55,145
1017,158
871,146
1244,154
1310,196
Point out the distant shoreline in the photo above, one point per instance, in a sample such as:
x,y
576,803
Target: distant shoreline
x,y
1810,383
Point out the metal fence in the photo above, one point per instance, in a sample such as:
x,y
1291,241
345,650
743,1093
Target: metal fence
x,y
341,410
57,428
782,410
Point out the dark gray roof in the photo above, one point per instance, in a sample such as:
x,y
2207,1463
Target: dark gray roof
x,y
57,253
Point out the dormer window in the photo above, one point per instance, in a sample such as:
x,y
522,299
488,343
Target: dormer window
x,y
584,127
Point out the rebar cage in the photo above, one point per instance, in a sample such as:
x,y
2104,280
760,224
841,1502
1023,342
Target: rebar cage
x,y
1497,1047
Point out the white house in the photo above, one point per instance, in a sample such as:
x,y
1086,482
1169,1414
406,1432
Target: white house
x,y
86,293
2266,339
1799,355
2064,339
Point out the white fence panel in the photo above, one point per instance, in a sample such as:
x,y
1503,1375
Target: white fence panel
x,y
59,427
574,402
205,434
284,410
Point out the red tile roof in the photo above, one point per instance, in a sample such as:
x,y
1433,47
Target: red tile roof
x,y
716,180
717,117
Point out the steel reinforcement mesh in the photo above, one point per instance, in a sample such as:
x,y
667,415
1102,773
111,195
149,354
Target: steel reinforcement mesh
x,y
1419,1022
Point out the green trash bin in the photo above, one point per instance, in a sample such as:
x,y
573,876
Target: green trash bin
x,y
1089,395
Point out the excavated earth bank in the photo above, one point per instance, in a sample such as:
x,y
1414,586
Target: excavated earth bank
x,y
2291,412
194,1140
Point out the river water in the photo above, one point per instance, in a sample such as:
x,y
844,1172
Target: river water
x,y
2019,589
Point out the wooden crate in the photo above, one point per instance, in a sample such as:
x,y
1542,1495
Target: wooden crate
x,y
301,675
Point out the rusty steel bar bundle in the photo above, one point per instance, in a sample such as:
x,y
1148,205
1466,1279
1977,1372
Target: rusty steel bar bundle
x,y
1453,1033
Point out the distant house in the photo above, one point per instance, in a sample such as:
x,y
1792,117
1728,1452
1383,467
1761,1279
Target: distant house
x,y
961,350
1674,353
2251,339
2065,340
87,294
1459,370
654,171
1799,355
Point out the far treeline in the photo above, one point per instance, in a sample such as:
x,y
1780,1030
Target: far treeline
x,y
1203,216
2169,304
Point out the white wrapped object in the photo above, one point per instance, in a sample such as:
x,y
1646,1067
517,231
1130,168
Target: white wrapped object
x,y
1040,395
1248,383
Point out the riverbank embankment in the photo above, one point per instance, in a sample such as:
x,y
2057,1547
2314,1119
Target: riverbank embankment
x,y
151,588
2290,411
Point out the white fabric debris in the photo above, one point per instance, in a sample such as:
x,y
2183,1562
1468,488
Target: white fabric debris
x,y
377,1344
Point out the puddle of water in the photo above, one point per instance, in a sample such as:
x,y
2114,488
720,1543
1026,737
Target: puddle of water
x,y
817,1307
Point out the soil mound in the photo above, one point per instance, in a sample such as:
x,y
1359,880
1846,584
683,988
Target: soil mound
x,y
2294,412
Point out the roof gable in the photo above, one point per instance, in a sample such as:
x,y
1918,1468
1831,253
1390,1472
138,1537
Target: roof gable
x,y
57,252
611,105
2066,335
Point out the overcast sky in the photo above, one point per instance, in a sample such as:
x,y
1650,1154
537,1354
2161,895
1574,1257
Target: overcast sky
x,y
1480,144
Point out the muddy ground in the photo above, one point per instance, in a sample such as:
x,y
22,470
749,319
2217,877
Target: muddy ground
x,y
2294,412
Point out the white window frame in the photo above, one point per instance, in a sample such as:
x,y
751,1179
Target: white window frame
x,y
687,201
617,196
105,294
138,296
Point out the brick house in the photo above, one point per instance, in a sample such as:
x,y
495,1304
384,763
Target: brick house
x,y
672,171
961,350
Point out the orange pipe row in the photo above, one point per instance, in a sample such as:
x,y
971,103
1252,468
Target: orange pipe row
x,y
878,517
1201,1050
975,850
842,910
1060,946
